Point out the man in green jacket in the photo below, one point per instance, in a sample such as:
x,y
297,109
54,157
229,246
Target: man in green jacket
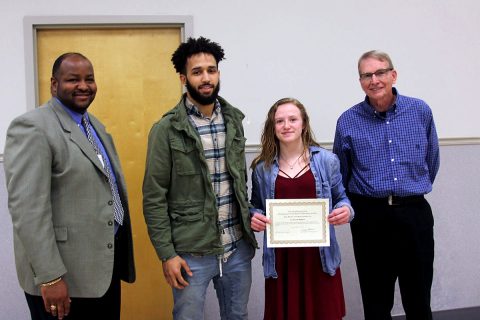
x,y
194,191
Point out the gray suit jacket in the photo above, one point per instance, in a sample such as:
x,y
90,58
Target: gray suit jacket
x,y
58,197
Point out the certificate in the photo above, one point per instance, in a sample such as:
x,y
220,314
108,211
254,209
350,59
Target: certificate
x,y
297,223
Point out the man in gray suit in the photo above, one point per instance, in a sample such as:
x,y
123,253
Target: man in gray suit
x,y
68,202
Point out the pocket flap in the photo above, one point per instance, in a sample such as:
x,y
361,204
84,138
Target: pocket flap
x,y
60,233
190,212
181,145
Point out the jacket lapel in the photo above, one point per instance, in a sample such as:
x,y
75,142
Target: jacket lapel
x,y
76,134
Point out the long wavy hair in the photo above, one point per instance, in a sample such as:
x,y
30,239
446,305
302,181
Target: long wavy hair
x,y
270,144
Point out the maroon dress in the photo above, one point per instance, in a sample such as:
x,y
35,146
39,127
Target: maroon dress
x,y
302,290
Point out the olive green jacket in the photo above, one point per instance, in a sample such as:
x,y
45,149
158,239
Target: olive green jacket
x,y
179,203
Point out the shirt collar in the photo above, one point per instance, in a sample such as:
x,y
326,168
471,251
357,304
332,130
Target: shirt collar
x,y
371,110
193,110
77,117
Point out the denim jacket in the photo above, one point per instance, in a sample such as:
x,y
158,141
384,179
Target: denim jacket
x,y
328,184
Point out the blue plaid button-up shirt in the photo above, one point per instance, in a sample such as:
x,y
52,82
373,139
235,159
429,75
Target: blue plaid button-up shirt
x,y
392,153
212,134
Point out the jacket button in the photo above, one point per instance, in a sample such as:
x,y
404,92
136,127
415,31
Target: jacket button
x,y
110,202
109,246
110,222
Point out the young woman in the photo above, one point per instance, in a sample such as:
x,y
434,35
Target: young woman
x,y
301,283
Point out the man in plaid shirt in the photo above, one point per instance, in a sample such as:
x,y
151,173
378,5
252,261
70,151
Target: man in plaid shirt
x,y
195,197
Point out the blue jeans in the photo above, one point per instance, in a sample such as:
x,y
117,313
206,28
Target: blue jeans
x,y
232,288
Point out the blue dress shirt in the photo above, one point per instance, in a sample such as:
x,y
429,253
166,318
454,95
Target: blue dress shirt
x,y
392,153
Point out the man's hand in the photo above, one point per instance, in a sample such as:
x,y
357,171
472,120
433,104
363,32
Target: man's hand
x,y
339,216
56,299
172,270
259,222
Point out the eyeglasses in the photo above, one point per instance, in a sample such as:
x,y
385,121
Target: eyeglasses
x,y
380,74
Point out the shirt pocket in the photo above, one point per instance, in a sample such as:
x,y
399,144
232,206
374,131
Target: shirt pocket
x,y
186,212
237,153
185,156
414,152
238,144
187,225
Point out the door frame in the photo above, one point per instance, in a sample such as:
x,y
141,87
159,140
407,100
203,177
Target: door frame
x,y
31,24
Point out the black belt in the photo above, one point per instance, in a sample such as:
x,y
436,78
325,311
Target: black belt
x,y
390,200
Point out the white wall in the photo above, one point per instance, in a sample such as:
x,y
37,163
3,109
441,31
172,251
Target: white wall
x,y
309,49
12,303
305,49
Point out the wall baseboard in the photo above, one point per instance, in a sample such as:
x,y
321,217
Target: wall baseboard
x,y
457,314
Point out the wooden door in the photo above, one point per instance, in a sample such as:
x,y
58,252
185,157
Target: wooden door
x,y
136,85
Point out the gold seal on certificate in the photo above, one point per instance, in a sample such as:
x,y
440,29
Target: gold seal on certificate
x,y
297,223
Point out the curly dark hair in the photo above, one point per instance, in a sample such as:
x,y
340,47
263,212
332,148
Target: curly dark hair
x,y
195,46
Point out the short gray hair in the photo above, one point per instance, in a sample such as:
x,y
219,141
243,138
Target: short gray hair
x,y
375,54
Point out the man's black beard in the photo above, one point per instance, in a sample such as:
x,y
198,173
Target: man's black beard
x,y
201,99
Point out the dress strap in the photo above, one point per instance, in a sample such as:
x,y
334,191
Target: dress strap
x,y
284,173
298,173
303,169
